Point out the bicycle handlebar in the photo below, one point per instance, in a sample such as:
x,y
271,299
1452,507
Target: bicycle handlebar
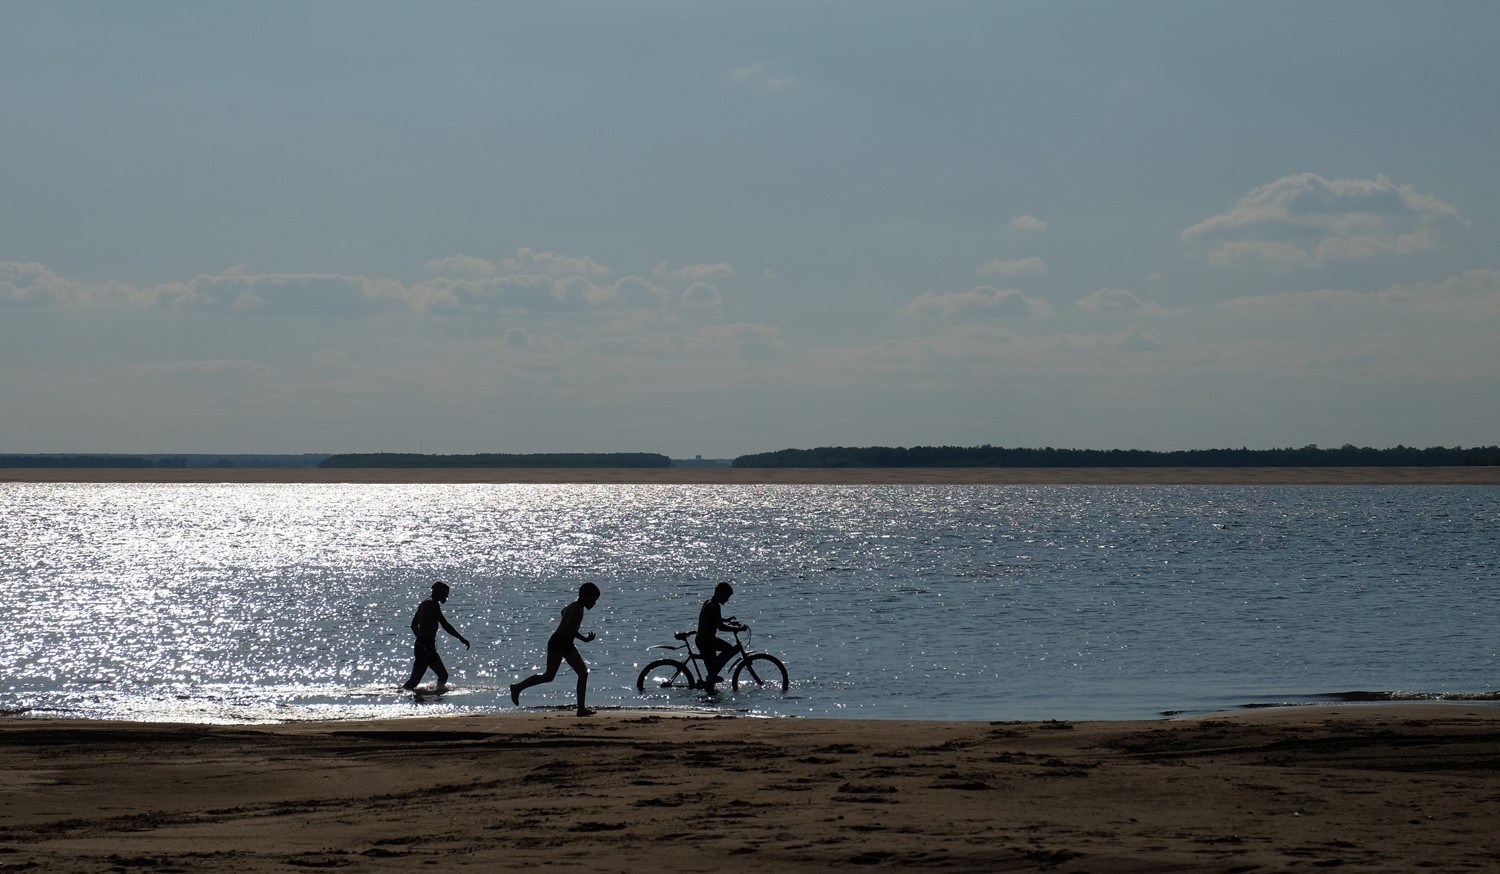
x,y
687,637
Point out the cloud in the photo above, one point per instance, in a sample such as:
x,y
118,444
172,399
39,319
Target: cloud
x,y
31,284
1309,221
463,266
1018,267
1472,296
978,302
540,282
1110,300
1027,224
759,76
632,292
702,296
694,272
548,263
299,293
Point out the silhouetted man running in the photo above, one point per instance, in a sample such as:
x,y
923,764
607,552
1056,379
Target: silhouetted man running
x,y
560,648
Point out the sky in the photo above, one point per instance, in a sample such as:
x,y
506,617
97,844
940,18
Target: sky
x,y
712,228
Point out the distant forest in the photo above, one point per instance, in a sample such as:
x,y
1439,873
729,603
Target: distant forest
x,y
998,456
89,460
495,459
828,456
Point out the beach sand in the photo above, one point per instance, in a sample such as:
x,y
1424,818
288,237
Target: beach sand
x,y
1374,788
1472,475
1393,787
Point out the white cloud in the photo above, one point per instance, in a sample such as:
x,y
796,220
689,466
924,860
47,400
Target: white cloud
x,y
463,266
759,76
1018,267
548,263
1110,300
299,293
1309,221
632,292
32,284
567,285
1027,223
694,272
703,296
982,301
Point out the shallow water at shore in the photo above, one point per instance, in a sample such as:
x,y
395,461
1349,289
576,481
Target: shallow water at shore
x,y
280,602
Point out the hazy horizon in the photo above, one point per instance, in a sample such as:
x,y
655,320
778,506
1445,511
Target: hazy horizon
x,y
716,229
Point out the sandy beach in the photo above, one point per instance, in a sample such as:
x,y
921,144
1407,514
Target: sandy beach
x,y
1401,787
1473,475
1383,788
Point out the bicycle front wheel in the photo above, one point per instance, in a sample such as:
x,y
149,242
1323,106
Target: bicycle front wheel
x,y
664,674
760,671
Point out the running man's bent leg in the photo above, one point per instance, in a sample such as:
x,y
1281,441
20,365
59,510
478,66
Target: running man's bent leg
x,y
555,658
576,662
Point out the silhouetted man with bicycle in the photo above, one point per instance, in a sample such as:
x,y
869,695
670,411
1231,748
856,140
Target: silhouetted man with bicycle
x,y
710,622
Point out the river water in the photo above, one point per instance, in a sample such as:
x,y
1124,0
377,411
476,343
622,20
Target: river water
x,y
243,603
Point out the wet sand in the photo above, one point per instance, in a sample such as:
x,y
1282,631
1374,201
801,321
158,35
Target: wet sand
x,y
1386,788
1475,475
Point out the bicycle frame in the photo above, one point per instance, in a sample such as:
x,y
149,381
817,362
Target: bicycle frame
x,y
694,659
690,670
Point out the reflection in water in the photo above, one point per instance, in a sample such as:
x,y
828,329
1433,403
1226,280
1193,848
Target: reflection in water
x,y
276,602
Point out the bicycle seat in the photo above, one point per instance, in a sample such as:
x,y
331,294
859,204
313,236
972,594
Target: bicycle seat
x,y
683,635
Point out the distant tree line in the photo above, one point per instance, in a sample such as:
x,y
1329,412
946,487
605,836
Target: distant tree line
x,y
81,461
90,460
999,456
497,459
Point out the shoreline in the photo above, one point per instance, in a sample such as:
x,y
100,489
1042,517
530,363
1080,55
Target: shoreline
x,y
1468,475
1384,787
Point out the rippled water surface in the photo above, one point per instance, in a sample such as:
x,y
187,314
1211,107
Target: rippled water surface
x,y
282,602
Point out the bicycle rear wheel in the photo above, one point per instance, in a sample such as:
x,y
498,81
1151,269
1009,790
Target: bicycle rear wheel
x,y
760,671
664,674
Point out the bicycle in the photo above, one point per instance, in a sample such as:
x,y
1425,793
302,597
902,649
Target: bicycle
x,y
759,669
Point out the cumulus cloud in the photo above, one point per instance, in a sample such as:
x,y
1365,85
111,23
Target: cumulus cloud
x,y
694,272
31,284
464,266
539,282
549,263
978,302
1027,223
702,296
760,76
1018,267
299,293
632,292
1110,300
1308,221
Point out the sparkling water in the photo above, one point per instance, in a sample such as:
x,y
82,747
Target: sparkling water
x,y
281,602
